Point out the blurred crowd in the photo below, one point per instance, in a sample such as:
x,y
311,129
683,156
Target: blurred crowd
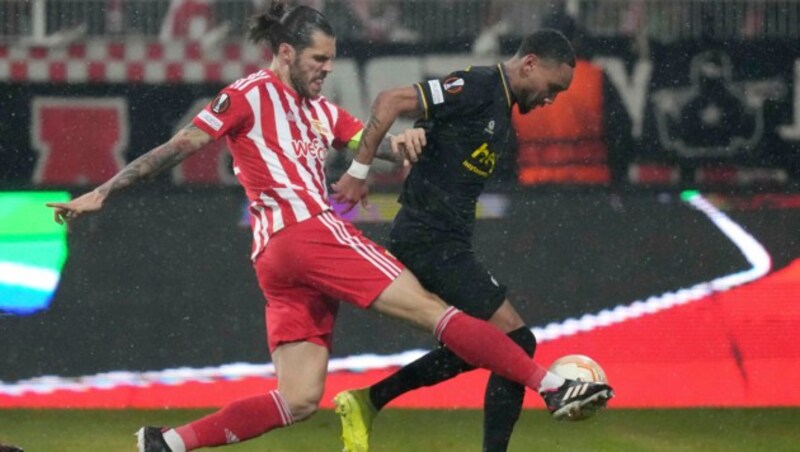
x,y
480,22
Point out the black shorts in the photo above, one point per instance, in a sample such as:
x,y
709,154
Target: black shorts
x,y
449,269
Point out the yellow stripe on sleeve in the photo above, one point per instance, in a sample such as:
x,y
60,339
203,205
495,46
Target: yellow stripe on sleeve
x,y
505,85
422,95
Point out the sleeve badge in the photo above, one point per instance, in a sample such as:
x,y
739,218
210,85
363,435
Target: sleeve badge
x,y
221,103
454,85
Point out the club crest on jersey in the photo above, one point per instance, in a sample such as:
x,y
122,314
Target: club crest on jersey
x,y
221,103
320,128
453,85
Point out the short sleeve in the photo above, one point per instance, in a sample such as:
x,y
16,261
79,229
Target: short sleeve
x,y
346,127
227,113
459,93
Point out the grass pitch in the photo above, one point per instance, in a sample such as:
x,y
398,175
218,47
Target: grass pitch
x,y
433,430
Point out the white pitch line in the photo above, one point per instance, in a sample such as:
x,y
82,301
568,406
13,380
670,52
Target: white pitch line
x,y
754,253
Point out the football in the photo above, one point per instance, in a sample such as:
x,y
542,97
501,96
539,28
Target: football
x,y
578,367
583,368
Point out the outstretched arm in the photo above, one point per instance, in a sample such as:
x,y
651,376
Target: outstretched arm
x,y
186,142
386,108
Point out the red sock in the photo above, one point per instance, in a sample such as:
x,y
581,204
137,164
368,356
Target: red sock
x,y
481,344
238,421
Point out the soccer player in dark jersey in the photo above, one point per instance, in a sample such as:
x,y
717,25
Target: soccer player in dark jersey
x,y
278,128
466,117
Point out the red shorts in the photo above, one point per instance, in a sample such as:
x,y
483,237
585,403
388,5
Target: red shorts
x,y
308,267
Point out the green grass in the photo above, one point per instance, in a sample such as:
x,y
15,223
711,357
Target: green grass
x,y
416,430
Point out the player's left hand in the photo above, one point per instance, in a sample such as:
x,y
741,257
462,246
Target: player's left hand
x,y
350,191
409,144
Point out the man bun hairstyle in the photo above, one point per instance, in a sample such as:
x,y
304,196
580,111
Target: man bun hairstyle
x,y
548,44
295,27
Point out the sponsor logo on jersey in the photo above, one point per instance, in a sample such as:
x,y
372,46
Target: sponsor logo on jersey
x,y
314,148
454,85
437,96
221,103
210,119
481,161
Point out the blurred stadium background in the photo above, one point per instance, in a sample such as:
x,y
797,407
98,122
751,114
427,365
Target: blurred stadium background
x,y
648,219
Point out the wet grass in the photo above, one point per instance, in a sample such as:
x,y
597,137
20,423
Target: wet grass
x,y
424,430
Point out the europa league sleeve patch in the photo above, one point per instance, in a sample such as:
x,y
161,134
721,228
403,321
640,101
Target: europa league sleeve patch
x,y
454,85
221,103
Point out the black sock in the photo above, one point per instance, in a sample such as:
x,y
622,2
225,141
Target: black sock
x,y
503,400
436,366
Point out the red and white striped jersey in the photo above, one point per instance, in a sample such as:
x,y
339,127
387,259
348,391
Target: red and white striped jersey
x,y
278,141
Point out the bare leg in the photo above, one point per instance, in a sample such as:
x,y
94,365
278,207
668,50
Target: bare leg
x,y
476,342
302,368
405,299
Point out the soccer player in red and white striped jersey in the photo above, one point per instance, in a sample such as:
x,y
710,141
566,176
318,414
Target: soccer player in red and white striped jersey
x,y
306,258
279,139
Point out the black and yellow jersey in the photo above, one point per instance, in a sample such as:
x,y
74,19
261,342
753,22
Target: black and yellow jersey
x,y
467,119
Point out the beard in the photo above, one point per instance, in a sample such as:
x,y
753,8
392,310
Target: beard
x,y
529,104
300,85
525,108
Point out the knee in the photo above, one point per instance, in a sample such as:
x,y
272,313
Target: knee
x,y
303,409
303,404
525,339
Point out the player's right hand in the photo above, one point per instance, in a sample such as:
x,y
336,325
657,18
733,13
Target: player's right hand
x,y
350,191
409,143
64,212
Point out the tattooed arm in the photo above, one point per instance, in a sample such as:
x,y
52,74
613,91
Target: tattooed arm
x,y
186,142
384,151
386,108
